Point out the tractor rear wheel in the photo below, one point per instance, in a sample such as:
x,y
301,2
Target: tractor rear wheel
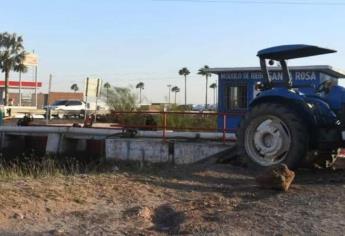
x,y
272,134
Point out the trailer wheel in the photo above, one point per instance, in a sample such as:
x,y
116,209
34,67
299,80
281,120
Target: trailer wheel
x,y
271,134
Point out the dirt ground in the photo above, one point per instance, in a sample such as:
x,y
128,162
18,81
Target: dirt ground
x,y
201,199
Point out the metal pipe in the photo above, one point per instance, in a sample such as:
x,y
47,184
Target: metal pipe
x,y
286,74
20,88
58,130
224,128
31,130
36,86
211,113
165,126
266,77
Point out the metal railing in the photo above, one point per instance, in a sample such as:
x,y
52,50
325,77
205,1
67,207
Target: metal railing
x,y
165,127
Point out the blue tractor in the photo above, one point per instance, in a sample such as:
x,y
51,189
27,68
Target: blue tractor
x,y
284,125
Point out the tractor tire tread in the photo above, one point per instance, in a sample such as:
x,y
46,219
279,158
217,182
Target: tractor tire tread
x,y
300,137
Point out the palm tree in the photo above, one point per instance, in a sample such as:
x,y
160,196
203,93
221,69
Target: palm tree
x,y
74,87
140,86
204,72
107,86
214,86
12,56
184,72
175,90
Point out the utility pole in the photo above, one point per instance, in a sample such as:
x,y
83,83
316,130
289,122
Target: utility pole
x,y
49,86
35,75
185,91
86,95
169,87
36,86
20,88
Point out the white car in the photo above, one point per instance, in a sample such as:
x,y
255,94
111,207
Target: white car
x,y
65,107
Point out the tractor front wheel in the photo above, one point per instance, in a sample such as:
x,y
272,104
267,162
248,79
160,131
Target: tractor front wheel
x,y
271,134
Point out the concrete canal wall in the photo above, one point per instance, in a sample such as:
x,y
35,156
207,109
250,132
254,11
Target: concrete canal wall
x,y
156,151
180,148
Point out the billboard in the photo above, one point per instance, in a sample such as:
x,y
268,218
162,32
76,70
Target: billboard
x,y
92,87
30,59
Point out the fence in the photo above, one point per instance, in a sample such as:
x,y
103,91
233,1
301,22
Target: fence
x,y
155,120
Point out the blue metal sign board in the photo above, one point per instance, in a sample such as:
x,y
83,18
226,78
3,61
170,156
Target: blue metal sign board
x,y
237,89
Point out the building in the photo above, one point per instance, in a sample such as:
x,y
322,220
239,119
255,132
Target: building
x,y
43,99
19,85
236,86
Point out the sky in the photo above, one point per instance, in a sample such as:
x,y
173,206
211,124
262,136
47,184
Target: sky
x,y
124,42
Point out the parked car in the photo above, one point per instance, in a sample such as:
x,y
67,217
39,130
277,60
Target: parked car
x,y
67,107
198,107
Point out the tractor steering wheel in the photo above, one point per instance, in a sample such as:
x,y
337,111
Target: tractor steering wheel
x,y
324,87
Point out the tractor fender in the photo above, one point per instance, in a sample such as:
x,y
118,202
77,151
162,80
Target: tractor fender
x,y
315,112
288,98
314,109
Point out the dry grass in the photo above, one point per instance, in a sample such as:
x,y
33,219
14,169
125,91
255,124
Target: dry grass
x,y
31,165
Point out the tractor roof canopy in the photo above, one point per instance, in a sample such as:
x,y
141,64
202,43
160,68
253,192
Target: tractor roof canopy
x,y
285,52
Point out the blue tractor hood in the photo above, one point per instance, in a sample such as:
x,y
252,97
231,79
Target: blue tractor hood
x,y
285,52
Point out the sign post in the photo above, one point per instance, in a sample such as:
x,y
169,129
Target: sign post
x,y
31,59
48,106
98,91
92,90
86,96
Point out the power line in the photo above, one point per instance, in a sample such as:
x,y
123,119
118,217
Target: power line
x,y
261,2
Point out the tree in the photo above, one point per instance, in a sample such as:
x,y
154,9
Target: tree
x,y
204,72
121,99
214,86
140,86
184,72
74,87
12,56
107,86
175,90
